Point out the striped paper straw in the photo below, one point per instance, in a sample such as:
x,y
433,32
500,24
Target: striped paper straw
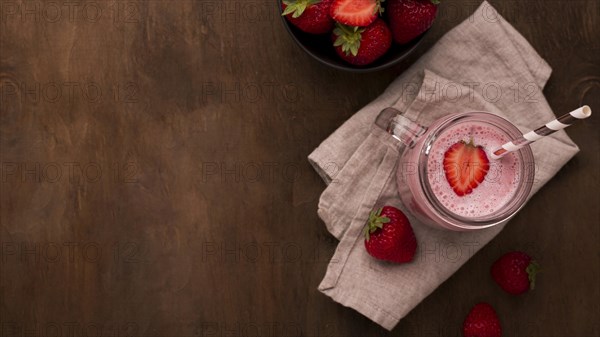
x,y
541,132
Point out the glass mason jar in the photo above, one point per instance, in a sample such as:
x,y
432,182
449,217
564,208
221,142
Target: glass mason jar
x,y
414,177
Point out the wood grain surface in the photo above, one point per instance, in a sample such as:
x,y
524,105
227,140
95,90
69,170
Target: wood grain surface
x,y
155,181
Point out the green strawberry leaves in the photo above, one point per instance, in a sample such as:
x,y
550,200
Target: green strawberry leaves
x,y
376,221
348,38
379,8
297,7
532,269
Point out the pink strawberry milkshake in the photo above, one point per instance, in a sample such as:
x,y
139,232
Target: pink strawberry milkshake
x,y
499,185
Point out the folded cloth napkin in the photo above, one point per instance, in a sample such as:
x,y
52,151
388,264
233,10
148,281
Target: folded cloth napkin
x,y
483,64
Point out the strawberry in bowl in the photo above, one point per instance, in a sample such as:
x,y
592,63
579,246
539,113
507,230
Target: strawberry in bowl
x,y
362,46
310,16
365,37
359,13
410,18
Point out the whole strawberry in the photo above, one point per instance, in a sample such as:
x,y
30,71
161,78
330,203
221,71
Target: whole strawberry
x,y
515,272
482,321
361,46
410,18
389,236
310,16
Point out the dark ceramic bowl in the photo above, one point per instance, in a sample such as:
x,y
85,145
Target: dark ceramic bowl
x,y
320,47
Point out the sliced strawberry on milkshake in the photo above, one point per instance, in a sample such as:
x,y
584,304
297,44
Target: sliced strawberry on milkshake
x,y
465,166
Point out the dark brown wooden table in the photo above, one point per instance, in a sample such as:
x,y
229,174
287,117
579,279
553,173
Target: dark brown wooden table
x,y
155,182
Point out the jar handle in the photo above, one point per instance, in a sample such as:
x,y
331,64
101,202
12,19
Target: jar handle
x,y
403,129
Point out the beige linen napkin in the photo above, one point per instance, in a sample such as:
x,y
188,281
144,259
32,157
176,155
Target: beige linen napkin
x,y
483,64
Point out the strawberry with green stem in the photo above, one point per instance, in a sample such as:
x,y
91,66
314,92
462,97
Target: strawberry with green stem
x,y
389,236
310,16
515,272
362,46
